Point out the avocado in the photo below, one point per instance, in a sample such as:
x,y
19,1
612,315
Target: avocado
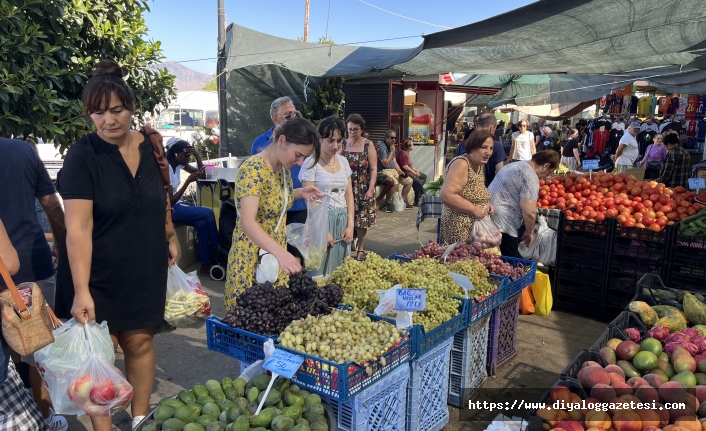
x,y
242,402
272,398
294,389
282,423
261,381
302,421
230,393
252,407
312,417
223,417
241,424
195,409
317,409
303,393
311,400
213,385
187,397
172,402
204,399
194,427
252,394
173,424
216,426
301,427
226,382
153,426
281,384
259,429
205,420
211,409
162,413
186,414
225,404
239,386
291,399
217,395
319,426
233,414
264,419
199,390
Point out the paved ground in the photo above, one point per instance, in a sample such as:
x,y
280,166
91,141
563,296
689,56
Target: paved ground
x,y
545,344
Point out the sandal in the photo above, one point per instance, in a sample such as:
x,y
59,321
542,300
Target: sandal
x,y
358,258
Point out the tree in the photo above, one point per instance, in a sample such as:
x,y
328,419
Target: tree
x,y
328,97
47,53
501,116
211,85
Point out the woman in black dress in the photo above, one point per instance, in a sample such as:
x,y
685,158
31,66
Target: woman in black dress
x,y
117,252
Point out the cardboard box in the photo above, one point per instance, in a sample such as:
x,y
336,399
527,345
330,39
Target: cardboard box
x,y
638,173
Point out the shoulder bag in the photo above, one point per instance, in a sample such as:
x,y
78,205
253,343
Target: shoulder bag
x,y
156,140
267,265
26,330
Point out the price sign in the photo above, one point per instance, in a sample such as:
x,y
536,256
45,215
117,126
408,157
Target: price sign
x,y
462,281
697,183
590,165
283,363
411,300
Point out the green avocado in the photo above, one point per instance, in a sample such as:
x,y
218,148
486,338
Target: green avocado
x,y
199,390
187,397
261,381
173,424
162,413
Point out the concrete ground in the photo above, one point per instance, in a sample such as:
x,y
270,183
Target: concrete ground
x,y
546,344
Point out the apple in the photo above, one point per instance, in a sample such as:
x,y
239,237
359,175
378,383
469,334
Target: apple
x,y
93,410
103,391
81,388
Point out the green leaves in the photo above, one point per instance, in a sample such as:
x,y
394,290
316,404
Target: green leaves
x,y
47,53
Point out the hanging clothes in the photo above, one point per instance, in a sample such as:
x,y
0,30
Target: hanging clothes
x,y
614,139
644,139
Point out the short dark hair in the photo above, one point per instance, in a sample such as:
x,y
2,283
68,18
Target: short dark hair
x,y
671,139
299,131
329,125
357,119
487,120
107,80
476,139
546,156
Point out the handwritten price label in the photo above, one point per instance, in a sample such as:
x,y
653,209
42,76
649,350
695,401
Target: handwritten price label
x,y
697,183
590,165
283,363
411,300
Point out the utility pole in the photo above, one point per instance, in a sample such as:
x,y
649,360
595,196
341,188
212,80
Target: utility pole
x,y
223,149
306,20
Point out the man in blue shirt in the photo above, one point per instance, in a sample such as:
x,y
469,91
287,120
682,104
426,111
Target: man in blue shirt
x,y
281,110
24,179
497,160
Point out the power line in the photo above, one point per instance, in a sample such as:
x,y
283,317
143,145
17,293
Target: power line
x,y
328,15
402,16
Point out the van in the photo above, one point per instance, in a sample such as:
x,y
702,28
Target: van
x,y
187,116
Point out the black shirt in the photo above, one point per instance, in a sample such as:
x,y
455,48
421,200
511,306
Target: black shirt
x,y
569,147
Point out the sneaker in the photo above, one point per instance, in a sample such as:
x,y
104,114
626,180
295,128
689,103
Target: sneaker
x,y
136,420
56,422
386,208
408,206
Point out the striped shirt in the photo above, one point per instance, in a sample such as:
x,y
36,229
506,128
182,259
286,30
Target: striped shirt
x,y
513,182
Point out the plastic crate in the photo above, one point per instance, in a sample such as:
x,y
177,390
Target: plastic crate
x,y
653,251
689,250
572,285
583,234
638,234
237,343
469,354
572,370
503,333
515,286
687,277
535,423
633,267
609,333
395,256
578,306
478,309
428,389
342,381
379,407
426,341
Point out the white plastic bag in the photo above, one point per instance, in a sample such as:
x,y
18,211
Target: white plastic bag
x,y
267,268
398,204
311,238
58,362
99,388
486,233
187,304
387,304
546,243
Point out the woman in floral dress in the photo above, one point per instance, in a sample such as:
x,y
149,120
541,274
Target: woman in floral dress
x,y
362,157
260,200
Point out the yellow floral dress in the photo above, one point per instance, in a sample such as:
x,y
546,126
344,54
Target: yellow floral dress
x,y
255,178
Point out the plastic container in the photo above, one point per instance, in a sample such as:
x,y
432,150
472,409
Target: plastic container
x,y
572,370
469,354
380,407
395,256
638,234
503,333
478,309
428,389
426,341
516,286
237,343
210,170
538,424
584,235
577,306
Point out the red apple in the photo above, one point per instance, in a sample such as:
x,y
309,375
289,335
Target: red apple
x,y
103,391
81,389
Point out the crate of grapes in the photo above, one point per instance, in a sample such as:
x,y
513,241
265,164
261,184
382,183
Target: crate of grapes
x,y
237,343
482,306
343,380
522,273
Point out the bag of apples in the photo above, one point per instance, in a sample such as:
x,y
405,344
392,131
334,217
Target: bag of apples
x,y
58,362
99,388
486,233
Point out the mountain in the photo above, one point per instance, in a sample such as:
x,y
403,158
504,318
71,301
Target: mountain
x,y
186,79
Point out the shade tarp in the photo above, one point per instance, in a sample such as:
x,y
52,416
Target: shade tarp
x,y
551,112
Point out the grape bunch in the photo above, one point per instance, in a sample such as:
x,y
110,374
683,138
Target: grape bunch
x,y
477,273
343,336
361,280
461,252
265,309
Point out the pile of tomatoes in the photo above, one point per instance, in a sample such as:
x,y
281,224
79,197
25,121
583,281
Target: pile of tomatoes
x,y
642,204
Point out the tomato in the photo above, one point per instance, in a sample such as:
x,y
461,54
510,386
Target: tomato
x,y
679,189
664,199
595,203
582,218
556,181
669,192
655,227
545,202
697,207
553,195
657,206
628,223
659,214
601,209
650,190
681,210
585,212
661,222
647,204
667,208
682,216
647,220
638,206
577,195
637,199
561,205
587,185
636,191
542,193
592,214
639,225
542,182
611,212
618,187
561,193
586,192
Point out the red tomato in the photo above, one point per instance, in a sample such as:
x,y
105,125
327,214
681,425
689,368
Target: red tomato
x,y
637,199
595,203
647,220
545,202
639,225
601,209
585,212
553,195
681,210
679,189
648,204
638,206
582,218
577,195
654,197
661,222
542,193
586,192
628,223
650,190
682,216
667,208
655,227
611,212
664,199
659,214
636,191
697,207
568,213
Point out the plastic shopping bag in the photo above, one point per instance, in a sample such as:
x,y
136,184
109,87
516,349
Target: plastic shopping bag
x,y
58,362
486,233
187,304
527,301
311,238
546,243
387,304
542,294
398,204
99,388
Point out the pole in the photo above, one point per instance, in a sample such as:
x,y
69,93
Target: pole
x,y
221,83
306,20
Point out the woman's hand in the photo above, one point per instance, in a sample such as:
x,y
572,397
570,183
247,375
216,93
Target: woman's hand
x,y
491,210
311,192
347,235
83,309
331,242
527,237
289,264
173,253
369,194
478,212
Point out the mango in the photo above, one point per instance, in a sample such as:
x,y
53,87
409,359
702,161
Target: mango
x,y
701,329
683,361
651,345
694,309
239,386
700,378
646,313
629,369
199,391
261,381
173,424
686,377
673,392
282,423
673,322
645,360
608,354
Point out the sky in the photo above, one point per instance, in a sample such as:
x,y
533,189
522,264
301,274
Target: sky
x,y
188,29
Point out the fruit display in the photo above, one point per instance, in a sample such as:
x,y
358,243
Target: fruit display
x,y
267,310
492,262
432,188
361,281
642,204
230,405
694,225
343,336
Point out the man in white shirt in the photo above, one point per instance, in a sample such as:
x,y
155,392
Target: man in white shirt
x,y
628,150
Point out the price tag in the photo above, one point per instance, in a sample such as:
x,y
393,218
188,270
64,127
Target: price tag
x,y
283,363
590,164
697,183
411,300
448,251
463,282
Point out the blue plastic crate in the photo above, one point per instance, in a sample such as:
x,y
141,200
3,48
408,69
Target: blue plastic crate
x,y
502,344
395,256
467,370
478,309
379,407
426,341
428,389
342,381
530,266
237,343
